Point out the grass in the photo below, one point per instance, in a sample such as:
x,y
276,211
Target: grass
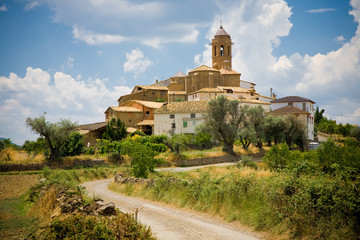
x,y
13,156
14,221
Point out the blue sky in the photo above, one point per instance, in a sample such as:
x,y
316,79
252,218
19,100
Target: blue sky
x,y
73,59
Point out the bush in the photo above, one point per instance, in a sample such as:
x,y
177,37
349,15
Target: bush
x,y
35,146
247,161
115,158
278,156
157,147
74,145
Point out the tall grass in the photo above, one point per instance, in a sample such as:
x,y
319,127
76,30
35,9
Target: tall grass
x,y
304,207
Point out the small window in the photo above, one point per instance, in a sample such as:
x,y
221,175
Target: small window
x,y
172,116
194,123
173,125
185,124
304,106
130,120
192,115
221,50
147,113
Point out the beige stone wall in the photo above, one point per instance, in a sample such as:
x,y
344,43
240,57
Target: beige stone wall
x,y
231,80
176,97
146,95
177,87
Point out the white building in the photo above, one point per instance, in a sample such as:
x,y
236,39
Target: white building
x,y
301,108
179,117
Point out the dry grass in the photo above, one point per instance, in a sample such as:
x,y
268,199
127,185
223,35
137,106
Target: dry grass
x,y
15,185
12,156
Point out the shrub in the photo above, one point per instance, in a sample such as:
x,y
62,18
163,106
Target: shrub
x,y
115,158
157,147
35,146
277,157
247,161
74,145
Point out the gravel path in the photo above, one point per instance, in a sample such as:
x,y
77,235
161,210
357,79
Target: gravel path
x,y
168,222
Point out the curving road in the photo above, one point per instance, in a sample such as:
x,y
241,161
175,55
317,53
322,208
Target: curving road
x,y
168,222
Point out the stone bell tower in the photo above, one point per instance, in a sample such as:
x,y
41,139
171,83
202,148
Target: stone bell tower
x,y
221,50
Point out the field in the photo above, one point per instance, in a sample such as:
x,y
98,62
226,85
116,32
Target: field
x,y
14,222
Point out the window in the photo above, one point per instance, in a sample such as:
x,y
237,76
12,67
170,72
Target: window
x,y
173,125
172,116
147,113
304,106
192,115
185,124
215,51
194,123
222,50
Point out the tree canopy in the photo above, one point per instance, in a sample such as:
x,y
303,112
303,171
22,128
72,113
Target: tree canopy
x,y
55,134
115,130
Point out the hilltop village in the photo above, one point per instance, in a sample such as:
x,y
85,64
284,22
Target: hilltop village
x,y
177,104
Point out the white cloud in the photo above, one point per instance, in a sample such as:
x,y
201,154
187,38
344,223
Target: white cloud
x,y
3,8
92,38
31,5
321,10
136,62
60,95
332,79
340,39
68,64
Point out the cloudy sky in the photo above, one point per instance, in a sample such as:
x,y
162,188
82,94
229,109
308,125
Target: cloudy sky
x,y
73,59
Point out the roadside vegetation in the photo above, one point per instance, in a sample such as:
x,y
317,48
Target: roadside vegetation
x,y
302,195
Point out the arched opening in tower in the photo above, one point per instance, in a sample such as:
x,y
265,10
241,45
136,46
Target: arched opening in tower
x,y
222,50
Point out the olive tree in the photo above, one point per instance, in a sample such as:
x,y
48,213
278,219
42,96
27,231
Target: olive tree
x,y
223,121
55,134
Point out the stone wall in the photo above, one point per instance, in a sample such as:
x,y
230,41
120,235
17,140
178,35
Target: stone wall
x,y
204,161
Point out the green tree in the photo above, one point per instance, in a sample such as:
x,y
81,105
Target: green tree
x,y
318,115
55,134
74,145
177,142
274,128
35,146
115,130
223,121
294,132
355,132
256,120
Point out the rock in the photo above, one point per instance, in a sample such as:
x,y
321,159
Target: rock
x,y
107,209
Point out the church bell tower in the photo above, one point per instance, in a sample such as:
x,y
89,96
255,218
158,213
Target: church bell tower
x,y
221,50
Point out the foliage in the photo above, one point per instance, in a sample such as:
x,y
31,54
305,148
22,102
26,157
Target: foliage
x,y
74,145
202,138
294,132
35,146
115,158
274,128
355,132
247,161
137,132
178,142
142,157
223,121
90,151
122,226
255,117
115,130
55,134
318,115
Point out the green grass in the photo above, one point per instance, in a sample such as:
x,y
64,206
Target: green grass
x,y
14,221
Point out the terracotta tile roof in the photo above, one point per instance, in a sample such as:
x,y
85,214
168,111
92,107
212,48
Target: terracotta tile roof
x,y
179,74
149,87
221,32
123,109
204,68
148,104
131,129
246,82
224,71
91,126
146,122
236,89
177,92
254,101
165,82
292,99
209,90
183,107
288,109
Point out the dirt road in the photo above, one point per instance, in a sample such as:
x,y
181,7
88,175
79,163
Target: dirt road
x,y
168,222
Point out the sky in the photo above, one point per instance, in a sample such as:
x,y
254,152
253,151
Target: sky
x,y
73,59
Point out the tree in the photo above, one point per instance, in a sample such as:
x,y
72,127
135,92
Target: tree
x,y
177,142
274,128
115,130
355,132
223,121
294,132
55,134
255,117
318,115
74,145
